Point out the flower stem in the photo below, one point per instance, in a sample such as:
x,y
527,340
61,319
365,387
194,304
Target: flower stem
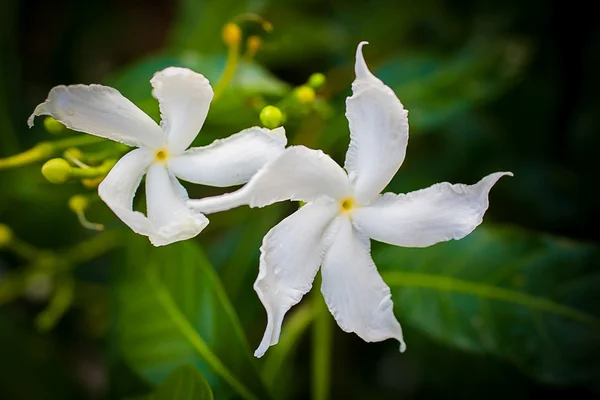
x,y
44,150
321,346
93,172
233,56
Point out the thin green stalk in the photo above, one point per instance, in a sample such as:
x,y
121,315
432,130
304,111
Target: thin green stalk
x,y
75,141
93,172
233,56
44,150
23,249
95,247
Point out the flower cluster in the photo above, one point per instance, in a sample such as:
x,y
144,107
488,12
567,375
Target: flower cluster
x,y
344,207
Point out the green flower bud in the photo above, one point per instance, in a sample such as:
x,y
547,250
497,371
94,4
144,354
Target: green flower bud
x,y
53,126
316,80
271,117
305,95
5,235
56,170
78,203
232,34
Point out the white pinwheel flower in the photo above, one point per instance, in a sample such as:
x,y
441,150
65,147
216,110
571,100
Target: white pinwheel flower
x,y
345,210
184,97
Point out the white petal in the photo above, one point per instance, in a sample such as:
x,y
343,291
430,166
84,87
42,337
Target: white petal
x,y
428,216
100,111
118,189
290,257
171,219
378,133
184,98
299,173
358,298
230,161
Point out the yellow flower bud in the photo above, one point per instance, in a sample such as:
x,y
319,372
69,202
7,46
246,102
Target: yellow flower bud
x,y
267,26
271,117
305,95
56,170
232,34
78,203
5,235
253,44
53,126
316,80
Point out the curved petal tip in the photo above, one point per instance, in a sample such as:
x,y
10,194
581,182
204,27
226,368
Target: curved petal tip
x,y
360,68
402,346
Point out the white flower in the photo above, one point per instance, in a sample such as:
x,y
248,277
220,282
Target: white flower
x,y
184,97
343,211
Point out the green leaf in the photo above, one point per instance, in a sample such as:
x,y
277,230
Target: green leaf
x,y
186,382
528,298
437,88
171,309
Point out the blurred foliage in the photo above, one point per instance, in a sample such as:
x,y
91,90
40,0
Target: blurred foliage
x,y
530,299
171,309
510,311
184,383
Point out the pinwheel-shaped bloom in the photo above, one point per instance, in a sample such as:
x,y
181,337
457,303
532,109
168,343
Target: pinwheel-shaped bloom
x,y
184,98
343,211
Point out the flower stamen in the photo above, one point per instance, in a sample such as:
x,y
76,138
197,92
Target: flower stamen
x,y
161,155
347,205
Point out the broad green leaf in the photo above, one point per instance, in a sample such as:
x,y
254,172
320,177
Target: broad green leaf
x,y
171,309
528,298
436,88
185,383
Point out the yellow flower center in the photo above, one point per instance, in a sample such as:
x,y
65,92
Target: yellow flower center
x,y
161,155
347,205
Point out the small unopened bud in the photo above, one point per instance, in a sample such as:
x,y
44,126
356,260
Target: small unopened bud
x,y
267,26
253,44
232,34
6,235
56,170
78,203
53,126
271,117
316,80
305,94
